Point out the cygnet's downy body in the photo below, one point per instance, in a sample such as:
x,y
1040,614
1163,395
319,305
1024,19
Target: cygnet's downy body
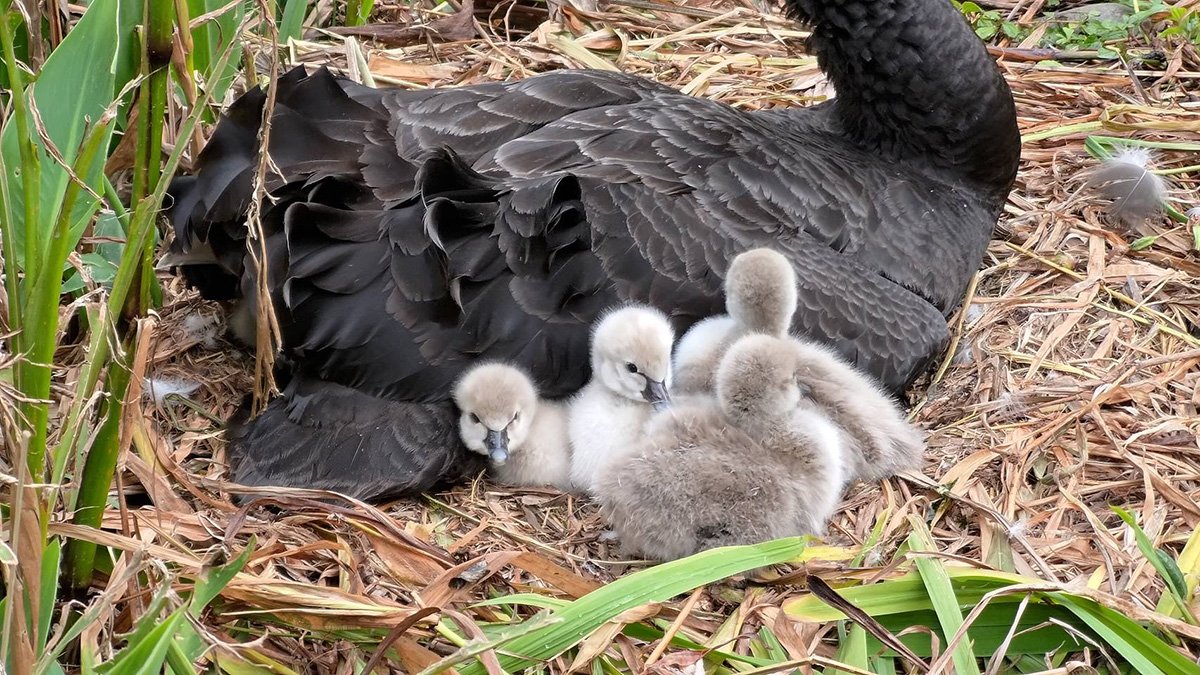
x,y
750,465
502,417
760,296
759,390
631,375
693,483
880,442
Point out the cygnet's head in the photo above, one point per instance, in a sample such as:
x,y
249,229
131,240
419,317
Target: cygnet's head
x,y
497,403
631,354
760,291
756,380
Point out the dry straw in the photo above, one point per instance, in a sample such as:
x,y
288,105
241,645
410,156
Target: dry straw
x,y
1072,385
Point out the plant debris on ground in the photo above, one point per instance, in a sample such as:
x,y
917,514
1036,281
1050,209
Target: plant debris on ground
x,y
1071,387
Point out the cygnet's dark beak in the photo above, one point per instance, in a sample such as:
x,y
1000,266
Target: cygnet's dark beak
x,y
496,443
656,395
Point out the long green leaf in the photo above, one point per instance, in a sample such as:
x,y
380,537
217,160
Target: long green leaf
x,y
941,594
146,656
76,84
1162,563
852,650
42,304
657,584
901,603
212,40
1189,566
206,589
292,23
1148,654
51,557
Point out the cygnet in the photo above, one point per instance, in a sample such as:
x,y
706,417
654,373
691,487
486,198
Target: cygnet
x,y
760,296
502,417
750,465
880,441
631,375
759,389
693,483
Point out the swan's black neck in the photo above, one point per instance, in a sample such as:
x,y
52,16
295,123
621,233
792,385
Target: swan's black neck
x,y
913,81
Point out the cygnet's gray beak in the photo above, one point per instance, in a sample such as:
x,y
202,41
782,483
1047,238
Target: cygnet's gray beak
x,y
496,443
656,395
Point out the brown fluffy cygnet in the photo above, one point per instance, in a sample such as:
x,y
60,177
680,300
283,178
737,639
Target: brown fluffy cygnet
x,y
695,482
502,417
759,389
760,296
631,373
751,465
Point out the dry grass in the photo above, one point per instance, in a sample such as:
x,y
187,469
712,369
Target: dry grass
x,y
1075,386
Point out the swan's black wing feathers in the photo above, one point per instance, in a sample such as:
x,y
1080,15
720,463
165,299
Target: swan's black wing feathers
x,y
324,436
413,232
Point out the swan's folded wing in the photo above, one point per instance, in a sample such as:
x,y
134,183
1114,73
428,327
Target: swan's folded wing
x,y
756,176
398,301
476,120
667,212
324,436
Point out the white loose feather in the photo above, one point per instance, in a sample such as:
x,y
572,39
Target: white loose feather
x,y
1135,192
159,389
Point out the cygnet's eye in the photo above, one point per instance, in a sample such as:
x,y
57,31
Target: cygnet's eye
x,y
475,418
631,367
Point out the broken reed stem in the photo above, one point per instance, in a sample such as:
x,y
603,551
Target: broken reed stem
x,y
267,335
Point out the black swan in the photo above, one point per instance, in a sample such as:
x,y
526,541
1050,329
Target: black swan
x,y
410,233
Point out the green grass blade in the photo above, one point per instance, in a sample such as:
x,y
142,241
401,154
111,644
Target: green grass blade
x,y
42,305
941,594
358,11
97,473
1189,566
51,557
1147,654
207,588
657,584
16,305
292,23
1162,563
904,602
852,651
211,40
906,594
20,134
76,84
147,654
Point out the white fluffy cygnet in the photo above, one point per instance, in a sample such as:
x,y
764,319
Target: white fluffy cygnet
x,y
631,375
525,438
760,296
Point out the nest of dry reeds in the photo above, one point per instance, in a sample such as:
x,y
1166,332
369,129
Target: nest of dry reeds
x,y
1072,383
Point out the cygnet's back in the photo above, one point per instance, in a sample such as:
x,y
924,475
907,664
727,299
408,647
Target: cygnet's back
x,y
631,374
525,438
760,296
881,442
693,483
758,390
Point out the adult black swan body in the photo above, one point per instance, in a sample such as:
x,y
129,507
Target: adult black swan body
x,y
410,233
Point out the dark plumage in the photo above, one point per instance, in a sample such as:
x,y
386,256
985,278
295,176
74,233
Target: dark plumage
x,y
411,232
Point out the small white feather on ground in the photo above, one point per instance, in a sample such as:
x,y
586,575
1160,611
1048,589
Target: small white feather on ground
x,y
1125,179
